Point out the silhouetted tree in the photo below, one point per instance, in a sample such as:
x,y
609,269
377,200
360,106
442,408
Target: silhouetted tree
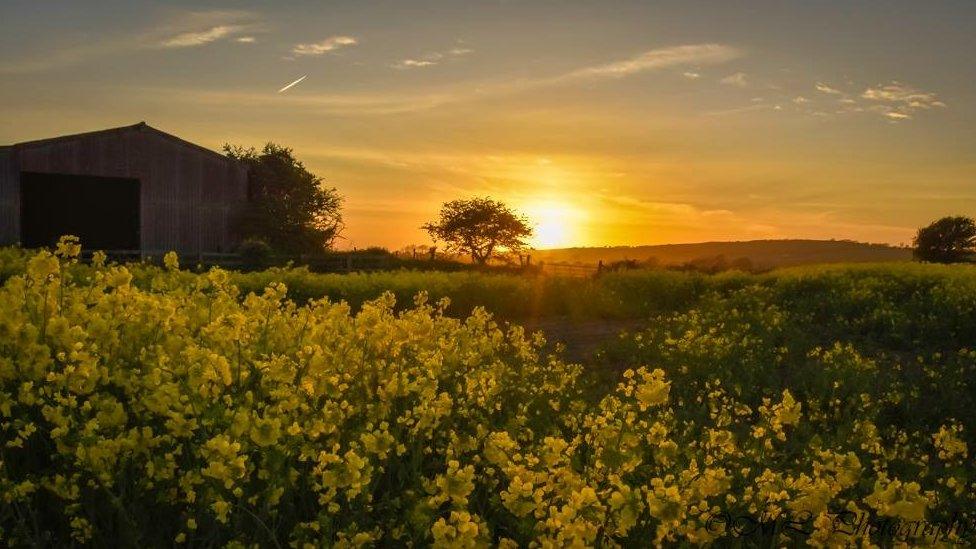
x,y
289,207
948,240
479,227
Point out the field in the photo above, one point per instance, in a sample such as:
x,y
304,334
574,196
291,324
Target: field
x,y
152,406
761,254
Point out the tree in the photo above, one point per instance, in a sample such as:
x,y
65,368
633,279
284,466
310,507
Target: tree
x,y
948,240
289,207
480,228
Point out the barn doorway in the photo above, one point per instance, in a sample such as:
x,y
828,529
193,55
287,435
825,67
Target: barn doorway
x,y
102,211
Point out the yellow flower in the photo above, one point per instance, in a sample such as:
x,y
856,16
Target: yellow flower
x,y
894,498
456,484
652,390
171,261
221,508
948,443
68,247
265,432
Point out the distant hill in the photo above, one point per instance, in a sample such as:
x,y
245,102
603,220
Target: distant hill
x,y
761,253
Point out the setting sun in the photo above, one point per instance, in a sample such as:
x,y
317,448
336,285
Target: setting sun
x,y
554,223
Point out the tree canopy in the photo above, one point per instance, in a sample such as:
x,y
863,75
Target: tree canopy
x,y
479,228
948,240
289,207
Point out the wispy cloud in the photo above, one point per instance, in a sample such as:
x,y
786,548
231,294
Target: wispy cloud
x,y
415,63
902,94
185,29
431,59
330,44
824,88
691,75
396,103
246,40
199,38
657,59
897,101
738,80
755,106
204,27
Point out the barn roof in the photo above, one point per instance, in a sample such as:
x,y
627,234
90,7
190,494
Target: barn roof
x,y
140,127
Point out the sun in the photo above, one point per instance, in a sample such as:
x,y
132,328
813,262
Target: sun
x,y
553,224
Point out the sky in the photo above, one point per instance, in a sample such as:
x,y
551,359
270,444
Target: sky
x,y
605,122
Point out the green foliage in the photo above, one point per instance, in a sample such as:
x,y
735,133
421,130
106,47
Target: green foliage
x,y
948,240
479,227
255,254
289,207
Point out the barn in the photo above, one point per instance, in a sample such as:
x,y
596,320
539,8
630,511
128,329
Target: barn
x,y
128,189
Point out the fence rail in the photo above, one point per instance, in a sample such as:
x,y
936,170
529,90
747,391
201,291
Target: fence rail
x,y
578,270
340,263
337,264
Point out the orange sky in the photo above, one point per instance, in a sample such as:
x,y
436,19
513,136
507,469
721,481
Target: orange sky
x,y
607,123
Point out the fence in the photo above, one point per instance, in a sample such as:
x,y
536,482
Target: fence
x,y
329,264
578,270
339,263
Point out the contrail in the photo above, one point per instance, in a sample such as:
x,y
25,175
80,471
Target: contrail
x,y
295,83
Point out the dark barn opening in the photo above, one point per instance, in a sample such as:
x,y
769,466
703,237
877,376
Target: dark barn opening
x,y
102,211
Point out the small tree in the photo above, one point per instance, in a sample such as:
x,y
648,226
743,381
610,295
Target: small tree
x,y
479,227
948,240
289,207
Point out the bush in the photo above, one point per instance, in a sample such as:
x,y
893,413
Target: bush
x,y
255,254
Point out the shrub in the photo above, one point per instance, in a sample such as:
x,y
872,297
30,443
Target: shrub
x,y
255,254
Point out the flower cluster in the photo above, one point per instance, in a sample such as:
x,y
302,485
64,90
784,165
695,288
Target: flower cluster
x,y
181,411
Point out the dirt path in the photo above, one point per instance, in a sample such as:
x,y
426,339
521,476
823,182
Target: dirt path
x,y
581,337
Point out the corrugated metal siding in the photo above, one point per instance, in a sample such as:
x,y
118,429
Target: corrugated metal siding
x,y
189,195
9,197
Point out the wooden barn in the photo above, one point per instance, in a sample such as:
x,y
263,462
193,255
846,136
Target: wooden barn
x,y
133,188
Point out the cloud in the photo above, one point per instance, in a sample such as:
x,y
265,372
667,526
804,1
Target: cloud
x,y
199,38
894,115
431,59
897,101
414,63
905,95
799,100
331,43
426,61
395,103
755,106
824,88
185,29
691,75
738,80
656,59
194,29
246,40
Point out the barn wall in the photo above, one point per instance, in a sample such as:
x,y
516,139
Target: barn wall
x,y
9,198
189,195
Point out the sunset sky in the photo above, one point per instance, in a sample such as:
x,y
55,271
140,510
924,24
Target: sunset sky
x,y
606,122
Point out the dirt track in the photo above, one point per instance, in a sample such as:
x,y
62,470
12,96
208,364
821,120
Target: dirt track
x,y
581,337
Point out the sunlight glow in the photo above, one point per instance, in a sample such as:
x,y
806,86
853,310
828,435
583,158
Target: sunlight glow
x,y
555,223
